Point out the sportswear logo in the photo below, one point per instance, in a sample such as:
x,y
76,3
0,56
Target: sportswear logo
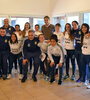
x,y
35,42
6,41
28,45
9,29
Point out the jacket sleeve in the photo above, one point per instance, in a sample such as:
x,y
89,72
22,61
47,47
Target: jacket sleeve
x,y
25,50
50,55
62,55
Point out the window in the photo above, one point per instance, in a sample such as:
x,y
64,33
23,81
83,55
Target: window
x,y
87,18
39,21
60,20
72,18
2,21
20,21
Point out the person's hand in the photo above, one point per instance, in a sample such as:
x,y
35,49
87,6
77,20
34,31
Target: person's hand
x,y
60,64
25,61
87,35
52,63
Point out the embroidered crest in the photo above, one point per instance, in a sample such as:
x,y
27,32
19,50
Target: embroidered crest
x,y
9,29
6,41
28,45
35,42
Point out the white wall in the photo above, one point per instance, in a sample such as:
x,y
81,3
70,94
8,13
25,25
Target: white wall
x,y
69,6
24,7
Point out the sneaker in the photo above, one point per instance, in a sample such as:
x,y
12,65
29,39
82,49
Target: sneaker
x,y
4,77
88,87
24,79
73,78
59,82
47,78
79,80
20,76
15,71
82,84
52,80
34,78
9,76
66,77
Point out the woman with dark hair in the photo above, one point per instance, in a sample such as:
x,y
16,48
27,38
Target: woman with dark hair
x,y
27,27
70,51
78,52
15,53
85,55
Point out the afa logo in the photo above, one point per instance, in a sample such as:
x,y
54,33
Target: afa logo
x,y
79,32
6,41
28,45
9,29
35,42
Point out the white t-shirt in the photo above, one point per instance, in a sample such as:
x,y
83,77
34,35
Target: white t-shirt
x,y
18,36
60,38
69,45
37,33
86,46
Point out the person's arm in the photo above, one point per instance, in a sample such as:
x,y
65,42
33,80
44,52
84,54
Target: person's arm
x,y
62,55
49,55
25,50
87,35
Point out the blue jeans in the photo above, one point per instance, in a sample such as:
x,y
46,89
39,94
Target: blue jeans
x,y
70,56
12,59
56,61
78,55
85,67
3,63
36,59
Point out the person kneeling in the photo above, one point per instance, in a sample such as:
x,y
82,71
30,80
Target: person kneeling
x,y
56,56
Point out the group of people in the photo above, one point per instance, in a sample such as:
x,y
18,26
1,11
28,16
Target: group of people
x,y
48,48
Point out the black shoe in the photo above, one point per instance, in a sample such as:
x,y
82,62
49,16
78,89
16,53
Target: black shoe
x,y
24,79
59,82
52,80
4,77
34,78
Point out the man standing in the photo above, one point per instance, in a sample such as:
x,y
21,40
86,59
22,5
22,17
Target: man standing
x,y
48,28
9,29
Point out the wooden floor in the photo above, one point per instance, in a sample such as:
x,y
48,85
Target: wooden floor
x,y
13,89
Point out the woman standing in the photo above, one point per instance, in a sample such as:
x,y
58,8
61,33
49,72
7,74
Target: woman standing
x,y
70,51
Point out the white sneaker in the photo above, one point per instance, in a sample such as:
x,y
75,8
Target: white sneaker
x,y
88,86
9,76
15,71
82,84
20,76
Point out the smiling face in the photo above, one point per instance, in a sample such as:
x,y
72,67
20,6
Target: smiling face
x,y
47,21
27,27
41,38
84,29
67,27
13,38
37,28
2,32
75,26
